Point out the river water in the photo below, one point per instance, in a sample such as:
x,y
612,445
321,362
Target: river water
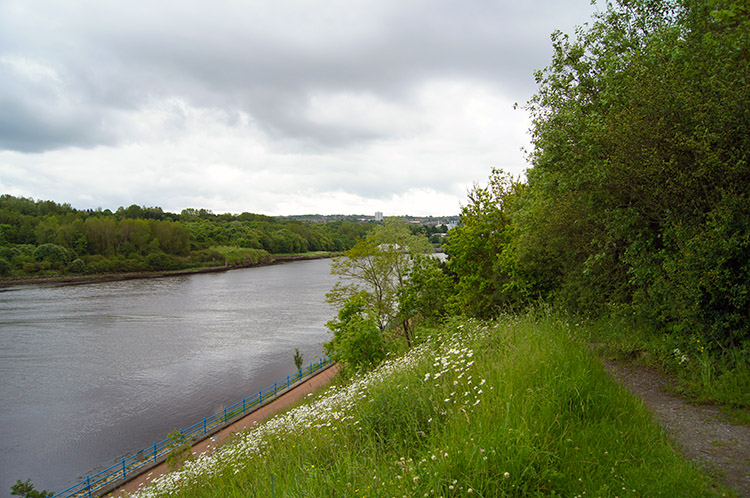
x,y
91,373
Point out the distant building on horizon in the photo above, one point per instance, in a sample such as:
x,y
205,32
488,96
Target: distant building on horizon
x,y
378,216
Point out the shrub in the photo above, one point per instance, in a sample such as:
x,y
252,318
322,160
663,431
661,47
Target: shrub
x,y
181,450
52,253
163,261
26,490
32,267
9,253
357,340
207,256
77,266
98,264
5,267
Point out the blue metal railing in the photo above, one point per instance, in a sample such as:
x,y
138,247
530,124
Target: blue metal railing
x,y
148,457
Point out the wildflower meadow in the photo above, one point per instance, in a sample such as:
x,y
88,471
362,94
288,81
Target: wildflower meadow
x,y
514,407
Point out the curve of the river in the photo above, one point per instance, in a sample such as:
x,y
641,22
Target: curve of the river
x,y
93,372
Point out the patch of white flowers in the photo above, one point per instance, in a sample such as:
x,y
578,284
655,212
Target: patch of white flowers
x,y
452,363
333,407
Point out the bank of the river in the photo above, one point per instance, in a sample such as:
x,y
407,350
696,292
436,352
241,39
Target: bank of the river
x,y
113,277
209,445
518,407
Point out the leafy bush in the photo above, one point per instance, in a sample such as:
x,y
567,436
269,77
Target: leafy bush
x,y
53,253
181,450
77,266
9,252
5,267
357,342
97,264
207,256
163,261
32,267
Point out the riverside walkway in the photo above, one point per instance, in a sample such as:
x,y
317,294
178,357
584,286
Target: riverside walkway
x,y
207,445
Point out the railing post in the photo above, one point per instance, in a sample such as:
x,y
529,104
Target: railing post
x,y
260,397
123,468
243,405
88,485
154,452
225,414
274,388
204,426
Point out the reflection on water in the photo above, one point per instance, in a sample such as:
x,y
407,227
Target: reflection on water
x,y
93,372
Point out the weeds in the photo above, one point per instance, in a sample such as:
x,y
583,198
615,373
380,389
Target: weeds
x,y
181,450
702,372
512,408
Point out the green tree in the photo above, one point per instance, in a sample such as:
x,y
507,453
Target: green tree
x,y
52,253
5,267
72,236
376,268
134,236
358,343
101,235
425,293
172,236
477,244
46,230
641,131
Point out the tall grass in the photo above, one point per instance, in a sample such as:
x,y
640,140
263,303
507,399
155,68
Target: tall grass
x,y
705,373
510,408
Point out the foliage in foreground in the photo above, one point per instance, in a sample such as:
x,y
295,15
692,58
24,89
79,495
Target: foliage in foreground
x,y
511,408
637,196
636,206
25,489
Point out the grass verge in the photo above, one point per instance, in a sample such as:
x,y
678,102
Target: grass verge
x,y
515,407
703,373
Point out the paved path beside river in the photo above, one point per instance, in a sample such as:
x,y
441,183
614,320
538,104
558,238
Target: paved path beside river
x,y
277,405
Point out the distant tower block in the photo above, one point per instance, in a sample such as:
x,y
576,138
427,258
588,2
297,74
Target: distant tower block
x,y
378,216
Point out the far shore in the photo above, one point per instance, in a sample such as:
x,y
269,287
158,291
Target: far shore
x,y
73,279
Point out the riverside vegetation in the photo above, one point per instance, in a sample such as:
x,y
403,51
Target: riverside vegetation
x,y
46,238
633,226
514,407
43,238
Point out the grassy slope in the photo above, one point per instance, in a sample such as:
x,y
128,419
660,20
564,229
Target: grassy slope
x,y
513,408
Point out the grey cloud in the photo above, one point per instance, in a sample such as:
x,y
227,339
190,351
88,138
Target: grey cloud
x,y
246,56
37,114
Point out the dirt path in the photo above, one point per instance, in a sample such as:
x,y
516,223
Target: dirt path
x,y
279,404
702,432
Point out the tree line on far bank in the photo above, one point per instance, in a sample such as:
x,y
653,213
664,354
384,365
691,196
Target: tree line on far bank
x,y
43,237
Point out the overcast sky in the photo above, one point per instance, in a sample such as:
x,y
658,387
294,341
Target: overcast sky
x,y
269,106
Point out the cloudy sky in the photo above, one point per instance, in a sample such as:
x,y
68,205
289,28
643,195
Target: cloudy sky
x,y
269,106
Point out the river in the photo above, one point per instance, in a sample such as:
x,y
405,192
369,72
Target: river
x,y
93,372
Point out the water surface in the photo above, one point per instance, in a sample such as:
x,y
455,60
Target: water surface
x,y
90,373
